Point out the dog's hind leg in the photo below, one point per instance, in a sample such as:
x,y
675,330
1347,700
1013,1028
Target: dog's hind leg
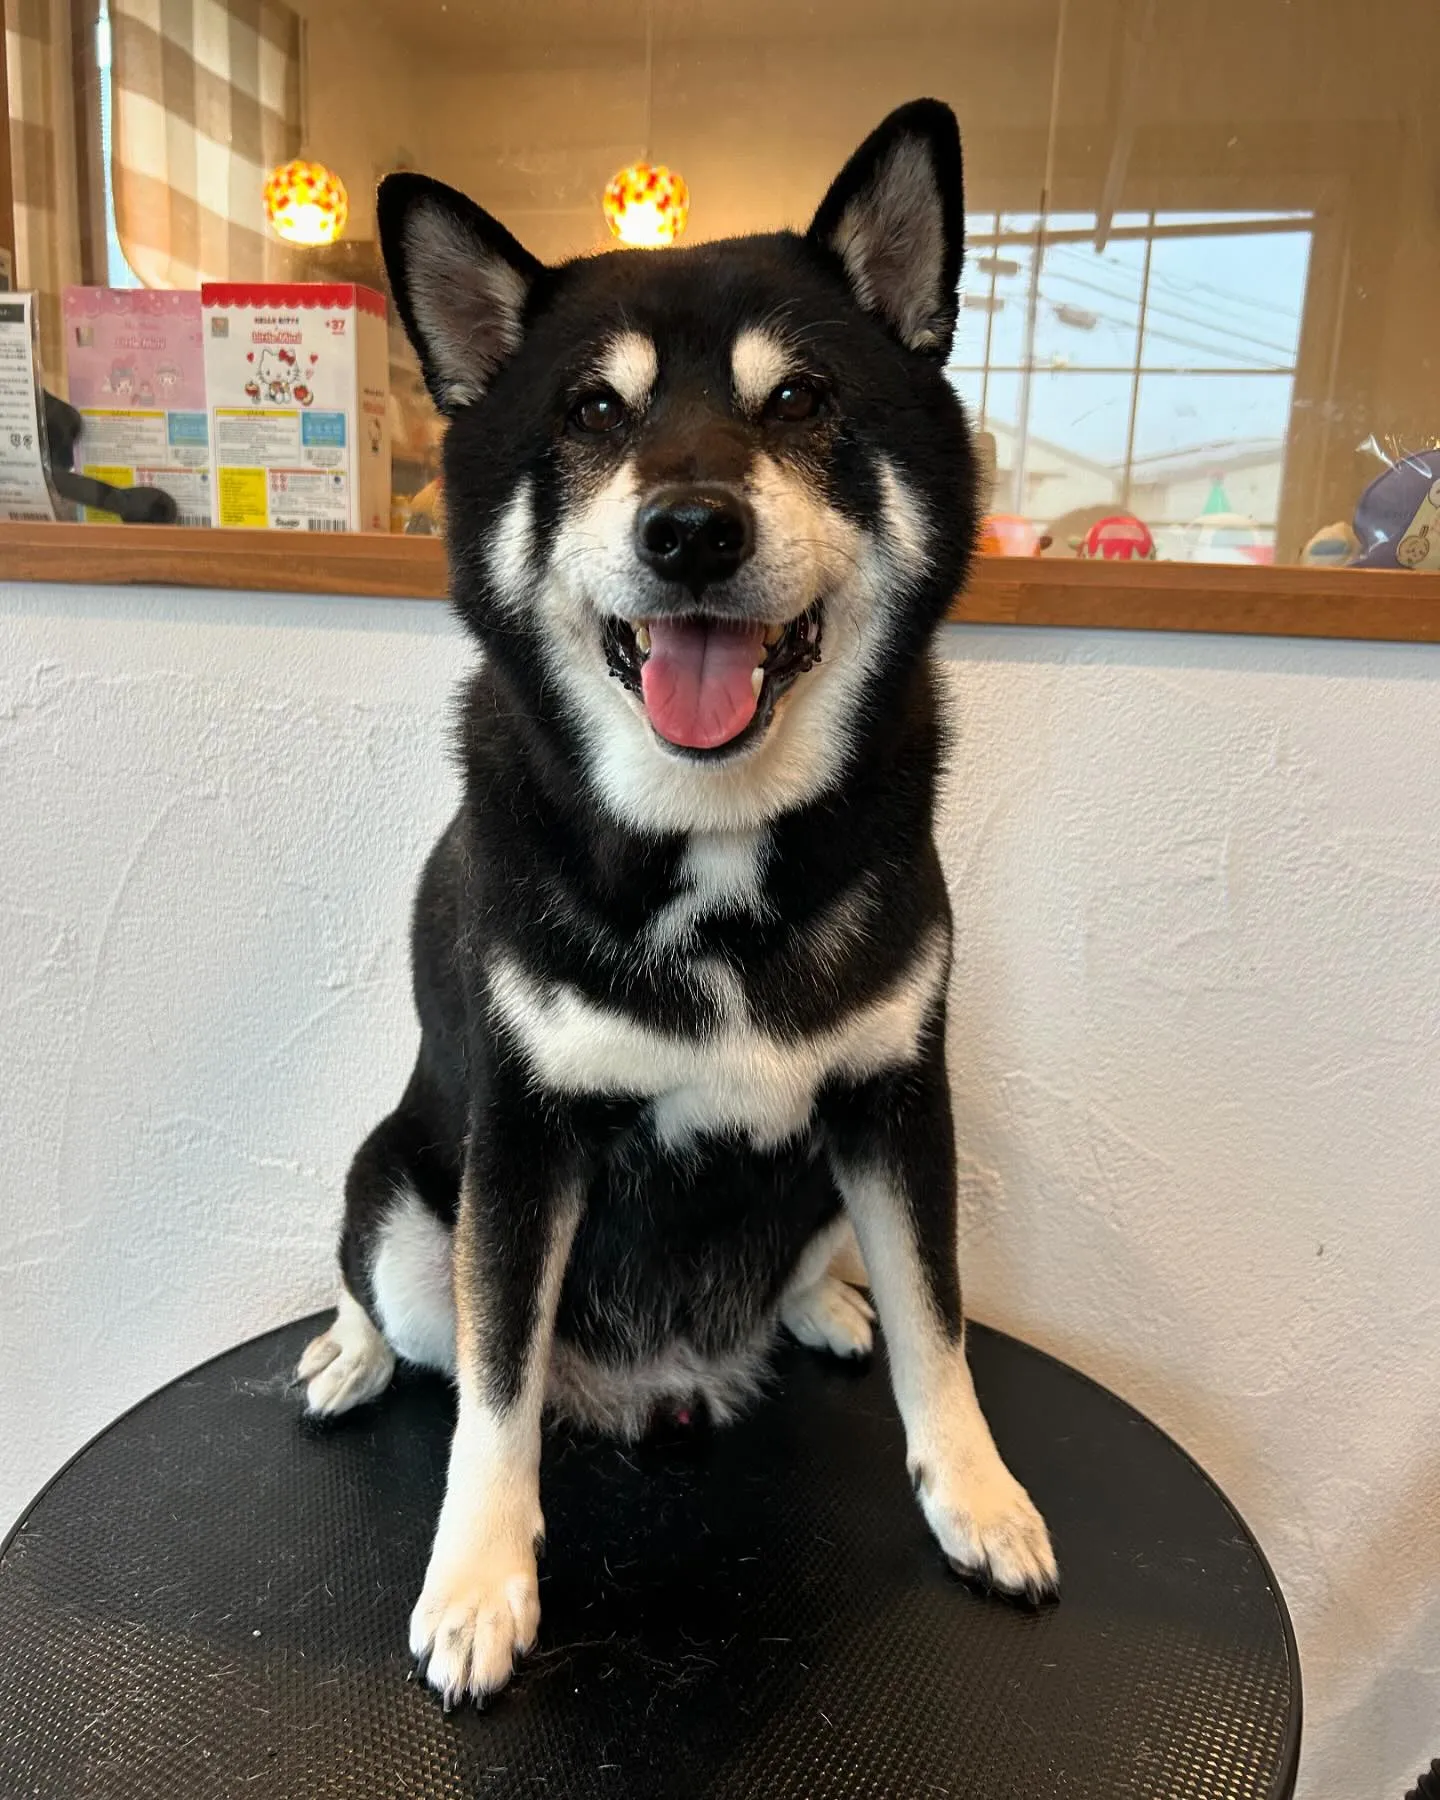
x,y
822,1305
396,1295
346,1365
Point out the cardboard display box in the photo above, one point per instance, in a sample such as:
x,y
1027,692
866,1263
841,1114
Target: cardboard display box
x,y
135,363
298,382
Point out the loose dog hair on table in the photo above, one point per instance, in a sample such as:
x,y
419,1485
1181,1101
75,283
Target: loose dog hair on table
x,y
680,960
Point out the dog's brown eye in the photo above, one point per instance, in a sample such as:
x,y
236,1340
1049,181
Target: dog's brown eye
x,y
598,412
794,401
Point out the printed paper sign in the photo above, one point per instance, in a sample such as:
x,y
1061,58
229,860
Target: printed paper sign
x,y
24,491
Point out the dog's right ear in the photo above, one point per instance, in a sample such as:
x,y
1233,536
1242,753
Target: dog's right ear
x,y
460,281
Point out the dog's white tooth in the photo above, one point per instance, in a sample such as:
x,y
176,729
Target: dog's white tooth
x,y
642,639
757,680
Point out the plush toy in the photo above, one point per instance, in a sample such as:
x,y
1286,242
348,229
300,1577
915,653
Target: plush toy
x,y
1332,547
425,516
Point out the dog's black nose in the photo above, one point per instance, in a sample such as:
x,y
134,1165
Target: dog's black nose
x,y
694,535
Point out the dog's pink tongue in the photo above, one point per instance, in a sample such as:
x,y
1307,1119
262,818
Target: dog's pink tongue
x,y
696,680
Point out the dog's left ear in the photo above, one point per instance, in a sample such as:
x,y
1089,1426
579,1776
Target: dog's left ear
x,y
895,216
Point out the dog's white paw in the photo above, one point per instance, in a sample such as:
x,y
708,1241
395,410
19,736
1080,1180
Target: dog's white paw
x,y
989,1530
830,1315
476,1614
346,1365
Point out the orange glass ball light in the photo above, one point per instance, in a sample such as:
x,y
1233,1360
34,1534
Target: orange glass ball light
x,y
647,205
306,203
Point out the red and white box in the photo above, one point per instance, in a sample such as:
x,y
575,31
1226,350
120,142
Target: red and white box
x,y
298,380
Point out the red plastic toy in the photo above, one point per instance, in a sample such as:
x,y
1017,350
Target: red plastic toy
x,y
1120,538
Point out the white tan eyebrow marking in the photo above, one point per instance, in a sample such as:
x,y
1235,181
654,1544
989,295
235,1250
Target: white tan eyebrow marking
x,y
629,364
759,362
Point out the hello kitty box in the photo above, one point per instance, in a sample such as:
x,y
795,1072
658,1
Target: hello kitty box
x,y
135,363
298,380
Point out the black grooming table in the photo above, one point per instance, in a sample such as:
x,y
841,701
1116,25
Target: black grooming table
x,y
211,1600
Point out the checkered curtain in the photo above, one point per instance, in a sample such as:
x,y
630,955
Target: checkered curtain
x,y
205,101
39,60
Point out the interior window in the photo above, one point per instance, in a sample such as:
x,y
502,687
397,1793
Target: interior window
x,y
1204,248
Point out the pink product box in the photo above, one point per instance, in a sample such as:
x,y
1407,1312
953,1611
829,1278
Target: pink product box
x,y
135,358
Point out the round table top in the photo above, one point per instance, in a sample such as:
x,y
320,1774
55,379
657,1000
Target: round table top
x,y
211,1600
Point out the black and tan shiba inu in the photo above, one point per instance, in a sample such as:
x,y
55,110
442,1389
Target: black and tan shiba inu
x,y
681,958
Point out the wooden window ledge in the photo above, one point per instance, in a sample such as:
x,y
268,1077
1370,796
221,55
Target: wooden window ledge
x,y
1379,604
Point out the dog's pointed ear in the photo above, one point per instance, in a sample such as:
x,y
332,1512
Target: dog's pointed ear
x,y
895,216
460,281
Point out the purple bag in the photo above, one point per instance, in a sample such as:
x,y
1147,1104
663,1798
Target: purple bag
x,y
1398,517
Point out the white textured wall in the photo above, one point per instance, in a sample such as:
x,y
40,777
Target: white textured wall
x,y
1198,891
1196,1048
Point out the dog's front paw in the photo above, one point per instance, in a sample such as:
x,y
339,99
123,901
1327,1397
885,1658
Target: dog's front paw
x,y
989,1530
476,1614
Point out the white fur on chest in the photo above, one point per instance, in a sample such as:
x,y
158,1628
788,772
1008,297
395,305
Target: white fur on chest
x,y
738,1078
721,872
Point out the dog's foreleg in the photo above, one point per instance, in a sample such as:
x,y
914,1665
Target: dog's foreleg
x,y
894,1162
480,1605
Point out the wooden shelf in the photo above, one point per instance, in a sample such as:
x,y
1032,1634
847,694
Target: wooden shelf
x,y
284,562
1383,605
1387,605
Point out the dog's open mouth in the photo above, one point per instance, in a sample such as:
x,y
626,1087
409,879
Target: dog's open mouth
x,y
707,683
